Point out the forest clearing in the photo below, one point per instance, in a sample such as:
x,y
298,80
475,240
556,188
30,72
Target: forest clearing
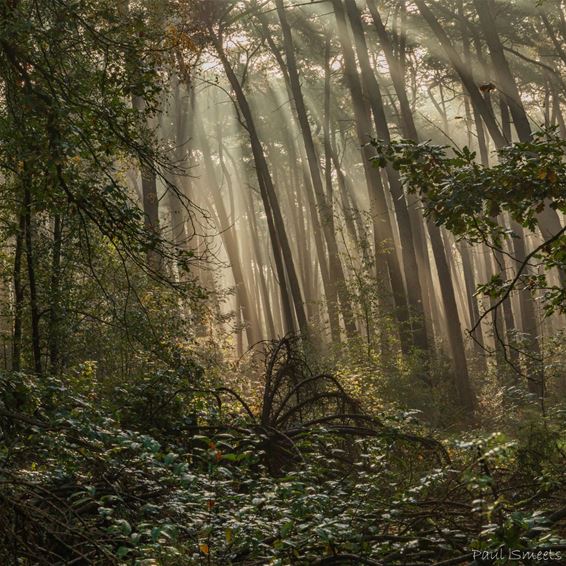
x,y
282,282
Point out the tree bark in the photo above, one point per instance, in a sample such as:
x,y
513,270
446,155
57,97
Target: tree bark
x,y
32,284
389,274
396,65
472,304
507,85
462,378
337,280
247,311
397,73
280,242
408,254
255,237
18,296
54,335
150,200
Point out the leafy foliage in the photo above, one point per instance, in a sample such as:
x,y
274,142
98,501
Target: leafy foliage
x,y
78,485
467,198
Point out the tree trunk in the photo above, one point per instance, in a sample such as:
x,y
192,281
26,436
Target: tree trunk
x,y
505,119
18,296
396,65
397,73
463,385
255,237
177,205
535,370
508,329
337,280
467,59
473,309
33,300
280,242
463,72
247,311
150,200
54,340
408,254
330,290
390,273
507,85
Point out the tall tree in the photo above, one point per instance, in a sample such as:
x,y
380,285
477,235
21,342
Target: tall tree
x,y
336,272
464,73
280,243
507,84
389,272
405,225
246,306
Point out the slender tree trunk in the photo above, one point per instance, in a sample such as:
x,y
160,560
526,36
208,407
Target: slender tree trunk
x,y
150,200
177,205
54,341
480,130
548,219
280,243
462,378
18,296
350,205
558,111
507,84
326,125
408,125
246,309
546,105
330,290
506,327
337,280
239,325
408,254
32,284
389,274
529,325
396,65
472,304
558,44
505,119
463,72
396,71
309,275
267,303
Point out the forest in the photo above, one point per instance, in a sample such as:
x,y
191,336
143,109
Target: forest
x,y
282,282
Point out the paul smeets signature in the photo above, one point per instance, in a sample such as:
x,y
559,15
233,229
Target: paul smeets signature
x,y
516,554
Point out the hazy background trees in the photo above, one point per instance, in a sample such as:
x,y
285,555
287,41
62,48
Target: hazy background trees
x,y
239,133
291,94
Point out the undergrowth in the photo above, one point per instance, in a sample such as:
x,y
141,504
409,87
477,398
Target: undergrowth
x,y
86,480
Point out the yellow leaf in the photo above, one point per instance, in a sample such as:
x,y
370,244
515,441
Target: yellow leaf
x,y
203,548
229,536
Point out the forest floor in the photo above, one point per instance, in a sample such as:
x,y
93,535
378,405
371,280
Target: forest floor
x,y
309,478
